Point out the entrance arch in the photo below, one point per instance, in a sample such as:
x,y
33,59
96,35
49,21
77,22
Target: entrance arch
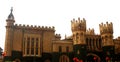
x,y
64,58
91,57
47,60
17,60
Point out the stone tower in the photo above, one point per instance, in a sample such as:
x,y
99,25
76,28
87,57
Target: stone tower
x,y
78,28
106,31
9,34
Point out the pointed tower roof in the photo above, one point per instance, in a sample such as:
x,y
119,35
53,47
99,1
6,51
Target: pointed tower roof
x,y
11,17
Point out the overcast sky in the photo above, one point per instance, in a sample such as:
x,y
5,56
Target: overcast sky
x,y
59,13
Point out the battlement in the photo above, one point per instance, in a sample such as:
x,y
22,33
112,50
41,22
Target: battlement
x,y
77,25
90,32
106,28
34,27
57,35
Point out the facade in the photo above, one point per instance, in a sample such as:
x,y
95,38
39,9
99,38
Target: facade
x,y
25,43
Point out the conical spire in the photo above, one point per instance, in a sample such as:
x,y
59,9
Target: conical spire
x,y
11,17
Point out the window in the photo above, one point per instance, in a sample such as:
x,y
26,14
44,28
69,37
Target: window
x,y
36,42
60,49
77,37
64,58
28,42
28,45
36,46
32,46
24,45
100,43
67,49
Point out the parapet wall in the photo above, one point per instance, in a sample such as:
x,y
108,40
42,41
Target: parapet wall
x,y
57,35
34,27
78,24
106,28
90,32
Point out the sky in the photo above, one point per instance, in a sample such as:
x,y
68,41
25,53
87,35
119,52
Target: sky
x,y
59,13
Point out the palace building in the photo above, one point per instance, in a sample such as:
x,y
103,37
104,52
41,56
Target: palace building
x,y
28,43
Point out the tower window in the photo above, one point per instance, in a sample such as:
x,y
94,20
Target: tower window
x,y
60,49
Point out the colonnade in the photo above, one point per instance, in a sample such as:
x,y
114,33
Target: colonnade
x,y
93,43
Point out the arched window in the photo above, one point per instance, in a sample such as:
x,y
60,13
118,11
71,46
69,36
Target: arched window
x,y
100,43
37,46
32,46
87,43
60,49
67,49
90,43
28,45
77,37
64,58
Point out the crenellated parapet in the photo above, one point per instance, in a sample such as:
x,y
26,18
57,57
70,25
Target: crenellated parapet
x,y
34,27
90,32
77,25
106,28
57,36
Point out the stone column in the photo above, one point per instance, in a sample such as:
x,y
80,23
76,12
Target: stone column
x,y
30,46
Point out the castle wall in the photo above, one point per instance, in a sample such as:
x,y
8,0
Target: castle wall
x,y
17,40
63,44
117,45
48,36
44,34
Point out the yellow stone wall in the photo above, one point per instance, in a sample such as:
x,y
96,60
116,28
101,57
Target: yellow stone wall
x,y
17,40
63,45
47,41
14,39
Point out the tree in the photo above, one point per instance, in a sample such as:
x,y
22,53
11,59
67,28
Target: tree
x,y
1,51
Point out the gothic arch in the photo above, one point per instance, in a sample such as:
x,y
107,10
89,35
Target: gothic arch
x,y
92,54
64,58
17,60
47,60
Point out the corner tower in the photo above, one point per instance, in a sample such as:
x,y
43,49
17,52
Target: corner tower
x,y
106,31
9,34
78,28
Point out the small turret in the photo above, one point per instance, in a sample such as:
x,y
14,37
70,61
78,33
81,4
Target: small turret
x,y
9,34
90,32
57,36
11,17
10,20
